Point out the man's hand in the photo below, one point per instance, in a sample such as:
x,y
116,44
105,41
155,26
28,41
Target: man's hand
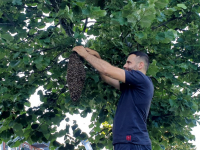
x,y
93,52
81,51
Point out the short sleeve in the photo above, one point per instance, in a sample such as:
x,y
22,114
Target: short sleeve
x,y
122,86
134,77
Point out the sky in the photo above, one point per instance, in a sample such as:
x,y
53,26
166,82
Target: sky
x,y
196,132
83,123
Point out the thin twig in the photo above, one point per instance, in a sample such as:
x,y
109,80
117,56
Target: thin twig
x,y
66,27
46,49
86,21
9,19
9,24
164,23
53,62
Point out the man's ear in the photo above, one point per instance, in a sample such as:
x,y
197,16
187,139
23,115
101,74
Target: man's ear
x,y
141,65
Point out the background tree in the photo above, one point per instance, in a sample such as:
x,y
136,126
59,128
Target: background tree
x,y
30,56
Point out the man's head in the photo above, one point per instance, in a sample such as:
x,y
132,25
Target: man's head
x,y
137,61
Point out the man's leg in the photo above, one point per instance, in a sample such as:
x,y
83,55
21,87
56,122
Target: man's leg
x,y
140,147
130,146
122,146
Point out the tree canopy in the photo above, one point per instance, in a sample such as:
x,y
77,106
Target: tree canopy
x,y
32,56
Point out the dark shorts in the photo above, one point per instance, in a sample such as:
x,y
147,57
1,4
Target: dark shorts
x,y
130,146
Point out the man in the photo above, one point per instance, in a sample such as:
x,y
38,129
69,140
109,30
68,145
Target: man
x,y
129,127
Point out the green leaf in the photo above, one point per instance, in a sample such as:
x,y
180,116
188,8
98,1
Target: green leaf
x,y
77,133
83,135
17,2
16,55
95,78
117,18
39,59
62,133
153,69
56,144
28,104
67,128
47,135
132,19
172,102
56,120
7,36
147,16
141,35
14,63
128,9
74,127
182,6
86,11
83,114
17,127
39,66
96,12
161,3
67,119
93,32
26,59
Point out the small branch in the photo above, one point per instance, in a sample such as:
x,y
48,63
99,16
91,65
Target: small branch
x,y
9,49
184,73
86,21
53,62
163,87
63,60
9,19
66,27
57,24
164,23
9,24
91,21
46,49
179,29
198,91
166,26
54,5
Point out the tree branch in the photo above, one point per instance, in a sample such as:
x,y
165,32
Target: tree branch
x,y
46,49
166,26
163,87
174,18
53,62
9,24
66,27
8,19
9,49
164,23
86,21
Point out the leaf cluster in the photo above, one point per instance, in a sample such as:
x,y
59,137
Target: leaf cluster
x,y
33,55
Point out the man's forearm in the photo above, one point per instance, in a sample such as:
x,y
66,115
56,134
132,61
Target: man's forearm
x,y
103,77
98,64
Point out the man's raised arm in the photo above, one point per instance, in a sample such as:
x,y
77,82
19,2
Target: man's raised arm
x,y
110,74
110,81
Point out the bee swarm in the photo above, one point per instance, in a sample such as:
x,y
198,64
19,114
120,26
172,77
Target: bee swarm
x,y
75,76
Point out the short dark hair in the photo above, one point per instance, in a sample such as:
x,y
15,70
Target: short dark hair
x,y
143,56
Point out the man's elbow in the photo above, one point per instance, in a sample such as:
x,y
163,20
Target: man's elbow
x,y
106,72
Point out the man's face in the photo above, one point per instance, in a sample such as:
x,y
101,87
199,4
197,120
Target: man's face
x,y
132,63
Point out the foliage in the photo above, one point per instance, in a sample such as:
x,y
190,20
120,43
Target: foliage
x,y
168,30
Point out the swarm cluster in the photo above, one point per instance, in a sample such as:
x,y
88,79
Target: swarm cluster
x,y
75,76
